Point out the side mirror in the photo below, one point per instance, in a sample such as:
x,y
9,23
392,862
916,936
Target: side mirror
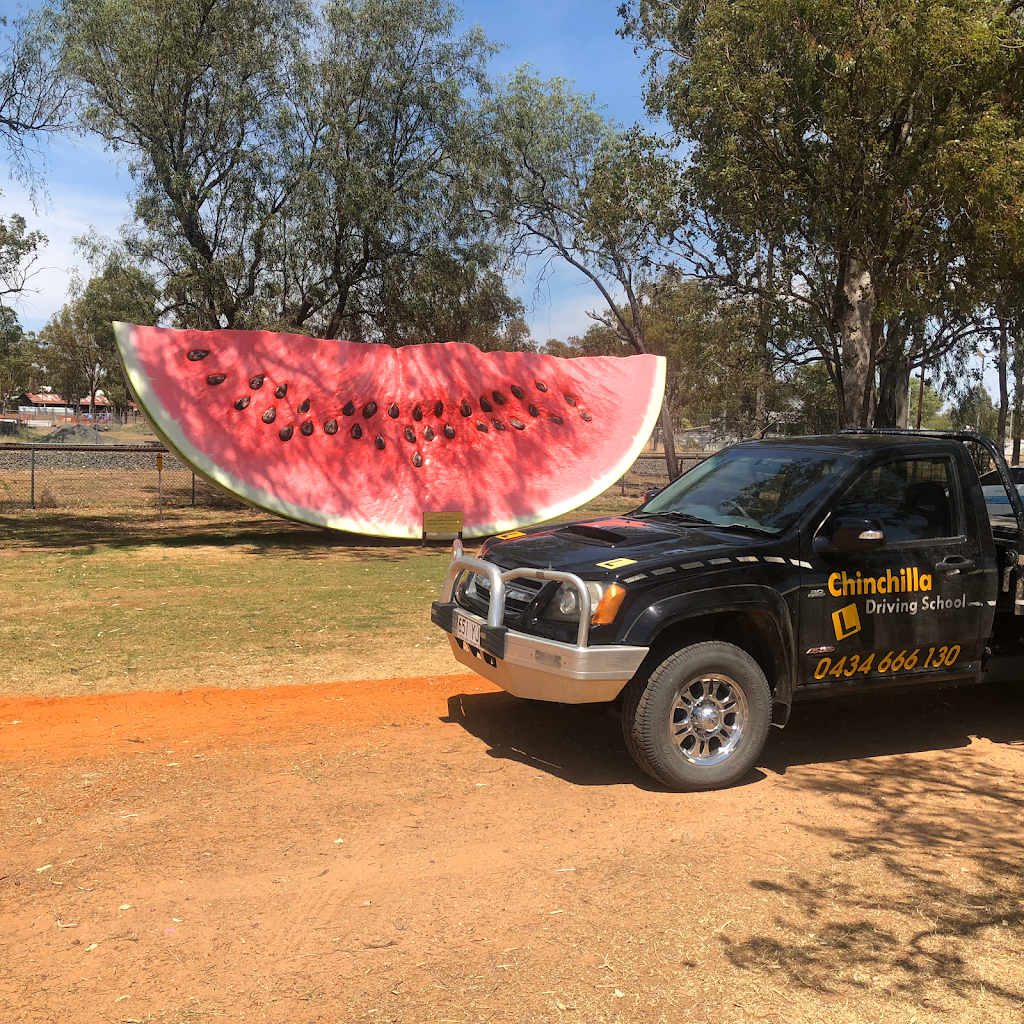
x,y
848,534
650,493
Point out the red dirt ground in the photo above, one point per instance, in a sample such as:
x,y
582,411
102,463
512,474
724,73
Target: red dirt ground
x,y
434,850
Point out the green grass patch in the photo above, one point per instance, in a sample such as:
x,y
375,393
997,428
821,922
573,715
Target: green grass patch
x,y
98,601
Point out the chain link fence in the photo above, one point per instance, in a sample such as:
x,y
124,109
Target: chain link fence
x,y
123,477
96,477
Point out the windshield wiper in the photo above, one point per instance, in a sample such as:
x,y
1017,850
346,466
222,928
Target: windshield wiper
x,y
742,526
681,515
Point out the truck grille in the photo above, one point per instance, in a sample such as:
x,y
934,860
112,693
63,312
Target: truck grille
x,y
519,595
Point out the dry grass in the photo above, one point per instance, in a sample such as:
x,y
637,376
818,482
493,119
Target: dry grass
x,y
115,600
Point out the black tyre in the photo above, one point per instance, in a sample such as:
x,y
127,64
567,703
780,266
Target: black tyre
x,y
700,719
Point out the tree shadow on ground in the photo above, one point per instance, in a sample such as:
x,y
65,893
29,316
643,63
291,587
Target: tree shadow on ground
x,y
84,532
921,905
924,900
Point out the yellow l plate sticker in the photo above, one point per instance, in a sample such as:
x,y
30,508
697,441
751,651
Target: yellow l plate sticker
x,y
617,563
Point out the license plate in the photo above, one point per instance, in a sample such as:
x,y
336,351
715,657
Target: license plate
x,y
467,629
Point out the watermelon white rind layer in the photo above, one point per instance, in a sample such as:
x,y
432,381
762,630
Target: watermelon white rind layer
x,y
541,455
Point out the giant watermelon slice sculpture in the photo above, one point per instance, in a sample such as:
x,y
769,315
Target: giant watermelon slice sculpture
x,y
365,438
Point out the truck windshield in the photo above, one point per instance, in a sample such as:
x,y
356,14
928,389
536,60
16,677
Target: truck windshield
x,y
758,488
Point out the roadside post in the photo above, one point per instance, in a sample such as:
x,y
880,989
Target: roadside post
x,y
32,465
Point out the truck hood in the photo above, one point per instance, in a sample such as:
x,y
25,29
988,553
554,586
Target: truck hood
x,y
589,547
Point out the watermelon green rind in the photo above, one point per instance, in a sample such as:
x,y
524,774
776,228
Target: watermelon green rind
x,y
167,424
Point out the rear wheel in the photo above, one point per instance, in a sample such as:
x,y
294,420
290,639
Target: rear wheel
x,y
700,719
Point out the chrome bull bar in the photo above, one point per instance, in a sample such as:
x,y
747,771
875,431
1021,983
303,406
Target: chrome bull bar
x,y
496,607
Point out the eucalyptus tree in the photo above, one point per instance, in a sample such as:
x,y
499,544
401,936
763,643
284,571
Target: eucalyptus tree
x,y
191,92
296,168
35,93
848,142
562,182
386,99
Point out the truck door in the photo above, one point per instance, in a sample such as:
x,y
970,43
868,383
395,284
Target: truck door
x,y
915,604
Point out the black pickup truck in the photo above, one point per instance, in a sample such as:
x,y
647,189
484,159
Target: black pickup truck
x,y
773,571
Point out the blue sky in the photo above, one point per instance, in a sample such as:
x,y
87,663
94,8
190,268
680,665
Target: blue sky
x,y
571,38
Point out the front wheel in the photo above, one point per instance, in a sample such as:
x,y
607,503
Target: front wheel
x,y
700,719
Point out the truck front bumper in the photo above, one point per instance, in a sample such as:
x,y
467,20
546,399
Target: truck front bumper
x,y
531,666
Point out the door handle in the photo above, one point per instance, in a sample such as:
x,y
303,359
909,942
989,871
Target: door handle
x,y
954,564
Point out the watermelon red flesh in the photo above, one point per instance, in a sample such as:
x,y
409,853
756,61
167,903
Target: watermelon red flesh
x,y
507,465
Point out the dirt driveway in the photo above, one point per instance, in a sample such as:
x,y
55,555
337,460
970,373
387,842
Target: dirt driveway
x,y
432,850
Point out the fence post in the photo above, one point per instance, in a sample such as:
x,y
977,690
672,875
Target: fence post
x,y
32,462
193,490
160,483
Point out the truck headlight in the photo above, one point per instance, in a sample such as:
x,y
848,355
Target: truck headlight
x,y
605,600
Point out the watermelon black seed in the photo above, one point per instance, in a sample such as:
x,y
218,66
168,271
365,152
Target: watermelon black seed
x,y
449,431
570,399
281,390
438,409
285,433
216,378
380,442
485,405
554,418
349,409
517,391
243,403
541,386
257,382
533,410
498,425
480,425
270,415
417,459
410,435
586,416
393,411
518,424
307,428
498,397
197,353
417,414
357,431
465,408
370,409
428,434
331,427
304,406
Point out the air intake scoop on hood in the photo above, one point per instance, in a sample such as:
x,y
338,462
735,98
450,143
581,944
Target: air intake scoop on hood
x,y
601,534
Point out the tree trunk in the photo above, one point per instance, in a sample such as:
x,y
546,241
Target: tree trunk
x,y
856,321
893,389
669,431
1004,396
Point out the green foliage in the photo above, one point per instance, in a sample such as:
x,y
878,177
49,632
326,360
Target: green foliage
x,y
18,361
19,251
840,158
80,351
34,92
300,168
932,417
974,410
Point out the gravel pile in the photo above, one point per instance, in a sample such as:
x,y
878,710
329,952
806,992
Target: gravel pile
x,y
77,434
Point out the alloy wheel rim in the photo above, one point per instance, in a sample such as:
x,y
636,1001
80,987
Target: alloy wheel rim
x,y
708,719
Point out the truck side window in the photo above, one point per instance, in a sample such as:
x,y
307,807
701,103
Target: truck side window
x,y
914,498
